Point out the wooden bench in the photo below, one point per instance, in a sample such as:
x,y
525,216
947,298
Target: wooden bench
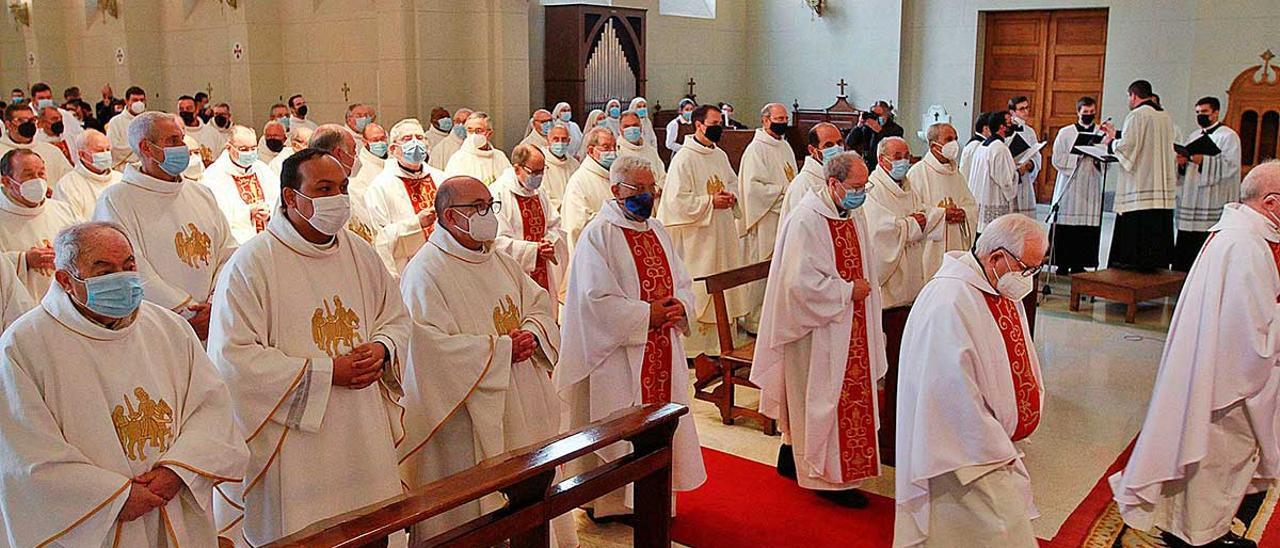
x,y
733,366
525,476
1125,286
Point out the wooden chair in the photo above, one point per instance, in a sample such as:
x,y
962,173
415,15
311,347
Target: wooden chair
x,y
525,476
733,365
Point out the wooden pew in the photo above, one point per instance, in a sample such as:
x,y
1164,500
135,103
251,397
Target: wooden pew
x,y
525,476
734,364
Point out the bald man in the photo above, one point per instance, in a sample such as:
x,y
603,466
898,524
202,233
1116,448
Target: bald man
x,y
272,142
824,142
445,148
359,116
768,166
539,127
528,227
81,187
244,186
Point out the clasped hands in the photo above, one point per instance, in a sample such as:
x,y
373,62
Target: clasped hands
x,y
151,490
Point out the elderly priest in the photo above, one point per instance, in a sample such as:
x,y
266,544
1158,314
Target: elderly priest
x,y
768,166
116,426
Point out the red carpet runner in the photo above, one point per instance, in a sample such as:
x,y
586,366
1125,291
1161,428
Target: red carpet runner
x,y
745,503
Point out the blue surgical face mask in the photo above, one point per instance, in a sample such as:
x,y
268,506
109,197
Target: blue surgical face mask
x,y
378,148
546,127
687,115
558,149
642,112
415,151
566,116
631,133
43,104
639,206
247,159
15,100
899,169
607,158
459,131
831,152
115,295
176,159
284,121
445,124
362,122
615,112
853,199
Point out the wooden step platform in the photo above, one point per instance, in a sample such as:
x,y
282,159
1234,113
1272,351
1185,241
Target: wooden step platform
x,y
1126,286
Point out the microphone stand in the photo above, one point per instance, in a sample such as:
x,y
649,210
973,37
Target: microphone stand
x,y
1052,221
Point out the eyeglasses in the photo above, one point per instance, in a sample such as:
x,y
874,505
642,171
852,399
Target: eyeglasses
x,y
482,208
530,171
1027,271
650,190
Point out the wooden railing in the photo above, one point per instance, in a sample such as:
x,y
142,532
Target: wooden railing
x,y
525,476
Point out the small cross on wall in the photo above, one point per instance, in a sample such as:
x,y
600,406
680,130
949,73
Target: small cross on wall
x,y
842,84
691,85
346,92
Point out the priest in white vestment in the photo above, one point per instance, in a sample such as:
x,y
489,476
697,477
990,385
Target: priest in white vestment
x,y
28,220
528,227
20,132
298,140
81,187
625,319
15,300
993,176
210,143
825,141
401,199
358,117
339,143
441,124
343,330
118,128
245,188
699,208
478,157
1205,183
118,437
1029,169
539,128
939,183
632,142
483,347
561,165
298,111
768,166
900,223
372,159
1209,437
444,150
969,388
180,235
821,350
980,134
588,188
1146,186
52,130
272,142
1077,193
640,107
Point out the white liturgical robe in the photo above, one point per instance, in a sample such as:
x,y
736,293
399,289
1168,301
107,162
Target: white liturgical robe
x,y
118,135
939,185
966,155
706,238
209,142
370,167
611,359
88,408
265,155
969,386
180,237
317,450
820,353
276,164
588,190
484,165
443,151
555,178
648,152
239,191
993,180
1221,354
1145,151
811,178
1078,188
1205,188
464,399
897,238
81,187
22,228
1025,203
394,199
434,135
55,164
768,166
15,300
527,219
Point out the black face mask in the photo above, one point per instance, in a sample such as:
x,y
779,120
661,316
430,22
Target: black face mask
x,y
1087,119
302,111
275,145
27,129
714,133
778,128
1014,129
221,121
57,128
188,118
1203,120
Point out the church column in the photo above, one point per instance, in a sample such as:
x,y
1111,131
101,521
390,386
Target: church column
x,y
143,66
45,42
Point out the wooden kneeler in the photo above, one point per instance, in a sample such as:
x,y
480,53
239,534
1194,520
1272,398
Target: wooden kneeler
x,y
716,377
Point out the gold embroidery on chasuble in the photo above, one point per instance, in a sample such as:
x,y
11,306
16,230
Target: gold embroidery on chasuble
x,y
506,318
331,329
149,424
206,155
715,185
250,191
192,246
360,229
790,171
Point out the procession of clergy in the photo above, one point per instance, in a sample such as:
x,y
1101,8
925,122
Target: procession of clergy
x,y
253,334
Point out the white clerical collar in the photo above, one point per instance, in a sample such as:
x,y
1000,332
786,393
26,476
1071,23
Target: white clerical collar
x,y
1238,215
595,168
8,141
136,177
552,158
7,204
57,303
764,137
637,147
935,164
691,141
87,173
282,228
813,166
961,265
882,179
509,180
444,241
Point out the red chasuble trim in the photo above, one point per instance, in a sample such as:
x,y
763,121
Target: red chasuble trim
x,y
250,191
859,451
66,152
656,284
1026,388
535,229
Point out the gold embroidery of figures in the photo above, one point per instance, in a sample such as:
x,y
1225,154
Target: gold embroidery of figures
x,y
790,171
150,423
715,185
45,271
360,229
330,329
506,318
192,246
206,155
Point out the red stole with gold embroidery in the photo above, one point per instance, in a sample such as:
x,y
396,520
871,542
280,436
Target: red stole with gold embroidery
x,y
855,412
655,284
535,229
250,191
1026,387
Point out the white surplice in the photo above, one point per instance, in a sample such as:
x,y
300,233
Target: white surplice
x,y
370,167
1078,188
1148,164
464,399
966,155
1025,203
555,178
317,450
768,166
81,187
55,164
399,233
515,231
15,300
648,152
88,408
938,184
118,135
1205,188
811,178
265,155
180,237
239,191
585,194
484,165
276,164
1222,351
444,150
803,350
605,334
209,140
22,228
706,238
993,180
959,410
897,238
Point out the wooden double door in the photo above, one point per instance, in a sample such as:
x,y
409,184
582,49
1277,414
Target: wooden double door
x,y
1053,57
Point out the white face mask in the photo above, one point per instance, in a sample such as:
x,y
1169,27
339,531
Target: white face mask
x,y
33,190
477,140
138,107
481,228
329,214
1014,286
102,160
951,151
